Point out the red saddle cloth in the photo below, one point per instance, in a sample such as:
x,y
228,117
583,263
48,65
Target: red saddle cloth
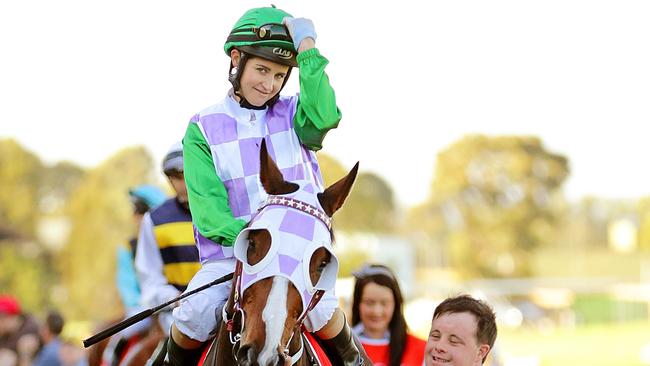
x,y
204,355
313,344
323,360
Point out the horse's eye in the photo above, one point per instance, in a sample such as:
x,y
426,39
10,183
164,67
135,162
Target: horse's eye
x,y
321,266
251,245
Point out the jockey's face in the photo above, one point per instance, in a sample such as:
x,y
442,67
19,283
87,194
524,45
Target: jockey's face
x,y
177,181
261,79
376,309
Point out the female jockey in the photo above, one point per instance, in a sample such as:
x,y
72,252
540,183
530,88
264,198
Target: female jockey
x,y
221,149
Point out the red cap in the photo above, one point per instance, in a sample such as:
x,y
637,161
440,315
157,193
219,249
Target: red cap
x,y
9,305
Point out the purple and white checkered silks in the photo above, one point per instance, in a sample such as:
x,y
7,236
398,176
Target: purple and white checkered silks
x,y
235,135
295,236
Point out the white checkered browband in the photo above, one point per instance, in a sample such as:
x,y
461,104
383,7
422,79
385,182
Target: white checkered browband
x,y
300,206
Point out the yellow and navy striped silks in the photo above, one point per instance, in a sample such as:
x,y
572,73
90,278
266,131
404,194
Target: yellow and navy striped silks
x,y
175,238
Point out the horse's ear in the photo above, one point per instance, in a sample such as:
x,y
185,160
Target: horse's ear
x,y
271,176
334,196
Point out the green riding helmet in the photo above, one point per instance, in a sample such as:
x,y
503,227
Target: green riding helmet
x,y
260,32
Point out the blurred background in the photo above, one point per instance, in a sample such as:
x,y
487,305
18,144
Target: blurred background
x,y
501,143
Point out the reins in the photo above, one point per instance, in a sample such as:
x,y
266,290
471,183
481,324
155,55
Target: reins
x,y
229,319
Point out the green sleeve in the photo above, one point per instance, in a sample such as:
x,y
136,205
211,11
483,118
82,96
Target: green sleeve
x,y
316,112
206,192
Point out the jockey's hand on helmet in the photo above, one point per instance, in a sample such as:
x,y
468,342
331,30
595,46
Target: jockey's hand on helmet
x,y
299,29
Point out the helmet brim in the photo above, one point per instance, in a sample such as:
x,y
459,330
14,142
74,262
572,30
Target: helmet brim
x,y
275,54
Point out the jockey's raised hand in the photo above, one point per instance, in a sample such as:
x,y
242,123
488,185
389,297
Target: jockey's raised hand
x,y
300,29
221,141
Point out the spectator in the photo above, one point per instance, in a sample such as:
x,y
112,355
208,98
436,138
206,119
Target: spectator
x,y
378,319
50,331
18,333
463,331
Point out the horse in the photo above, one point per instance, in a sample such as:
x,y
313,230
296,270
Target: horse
x,y
264,312
135,351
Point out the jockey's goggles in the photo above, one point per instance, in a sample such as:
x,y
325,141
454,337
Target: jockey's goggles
x,y
266,32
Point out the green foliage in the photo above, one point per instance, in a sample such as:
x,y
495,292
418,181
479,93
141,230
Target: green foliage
x,y
493,200
567,346
100,213
330,168
350,260
370,205
58,183
20,174
602,308
26,271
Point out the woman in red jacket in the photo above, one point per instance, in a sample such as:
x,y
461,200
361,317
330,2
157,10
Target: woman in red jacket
x,y
378,319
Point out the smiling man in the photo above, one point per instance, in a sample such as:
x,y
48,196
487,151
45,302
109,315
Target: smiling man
x,y
463,331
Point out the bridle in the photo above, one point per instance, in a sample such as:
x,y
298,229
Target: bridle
x,y
234,333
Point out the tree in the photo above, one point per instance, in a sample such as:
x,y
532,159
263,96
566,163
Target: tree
x,y
100,213
493,200
58,183
20,174
370,205
26,273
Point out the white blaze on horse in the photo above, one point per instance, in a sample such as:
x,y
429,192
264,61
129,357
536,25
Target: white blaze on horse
x,y
285,263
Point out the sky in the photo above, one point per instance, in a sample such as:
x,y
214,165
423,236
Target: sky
x,y
80,80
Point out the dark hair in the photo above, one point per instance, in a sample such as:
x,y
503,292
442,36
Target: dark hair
x,y
486,328
140,207
383,276
173,173
54,322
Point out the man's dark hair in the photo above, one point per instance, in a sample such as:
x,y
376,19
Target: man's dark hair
x,y
486,328
54,322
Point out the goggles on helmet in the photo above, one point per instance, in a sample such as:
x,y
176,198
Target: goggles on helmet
x,y
266,32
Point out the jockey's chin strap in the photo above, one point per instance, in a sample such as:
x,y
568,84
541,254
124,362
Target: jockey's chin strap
x,y
230,323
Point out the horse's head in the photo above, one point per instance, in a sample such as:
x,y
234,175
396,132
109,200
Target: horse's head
x,y
286,262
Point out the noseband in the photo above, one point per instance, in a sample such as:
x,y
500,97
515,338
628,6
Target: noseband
x,y
228,318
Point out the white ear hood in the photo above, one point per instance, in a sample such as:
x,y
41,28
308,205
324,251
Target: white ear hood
x,y
296,233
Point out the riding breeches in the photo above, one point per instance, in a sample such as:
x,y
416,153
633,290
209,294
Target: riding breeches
x,y
197,315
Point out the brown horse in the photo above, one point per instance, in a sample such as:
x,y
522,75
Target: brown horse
x,y
263,317
137,351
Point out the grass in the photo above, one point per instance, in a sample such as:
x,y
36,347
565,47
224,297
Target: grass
x,y
594,345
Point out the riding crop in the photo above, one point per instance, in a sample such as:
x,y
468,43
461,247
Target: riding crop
x,y
147,313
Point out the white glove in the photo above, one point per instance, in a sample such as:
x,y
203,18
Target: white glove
x,y
299,29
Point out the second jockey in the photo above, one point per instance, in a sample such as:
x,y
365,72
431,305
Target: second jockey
x,y
166,258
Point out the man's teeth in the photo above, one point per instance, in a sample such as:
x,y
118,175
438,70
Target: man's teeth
x,y
439,359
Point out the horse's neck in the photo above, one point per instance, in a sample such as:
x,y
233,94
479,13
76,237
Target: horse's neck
x,y
223,346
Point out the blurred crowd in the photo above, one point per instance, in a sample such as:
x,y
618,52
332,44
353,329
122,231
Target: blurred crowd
x,y
26,340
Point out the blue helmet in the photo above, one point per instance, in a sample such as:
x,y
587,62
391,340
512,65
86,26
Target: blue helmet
x,y
147,197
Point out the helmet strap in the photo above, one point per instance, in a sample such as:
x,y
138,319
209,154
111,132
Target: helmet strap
x,y
234,76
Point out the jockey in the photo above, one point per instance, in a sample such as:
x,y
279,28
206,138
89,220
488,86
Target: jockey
x,y
221,147
166,258
143,198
